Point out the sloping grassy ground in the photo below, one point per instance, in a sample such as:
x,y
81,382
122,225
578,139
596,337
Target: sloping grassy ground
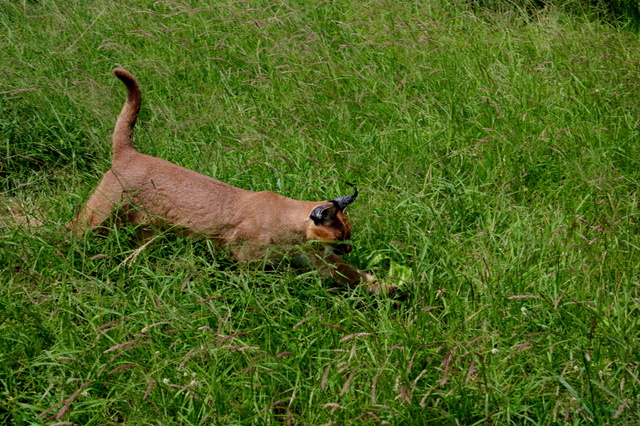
x,y
498,161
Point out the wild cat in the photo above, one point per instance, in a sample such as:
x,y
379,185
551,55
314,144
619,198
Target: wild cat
x,y
143,190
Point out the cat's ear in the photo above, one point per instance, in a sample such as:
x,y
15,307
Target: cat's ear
x,y
341,203
324,214
328,213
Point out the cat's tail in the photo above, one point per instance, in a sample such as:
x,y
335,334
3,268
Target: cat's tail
x,y
129,114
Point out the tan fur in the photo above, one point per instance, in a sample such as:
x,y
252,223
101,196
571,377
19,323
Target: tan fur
x,y
13,215
147,190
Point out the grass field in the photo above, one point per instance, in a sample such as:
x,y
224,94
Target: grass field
x,y
498,161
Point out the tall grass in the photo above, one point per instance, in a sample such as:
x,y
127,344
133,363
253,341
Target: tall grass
x,y
498,164
621,13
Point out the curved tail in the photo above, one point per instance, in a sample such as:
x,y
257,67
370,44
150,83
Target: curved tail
x,y
129,114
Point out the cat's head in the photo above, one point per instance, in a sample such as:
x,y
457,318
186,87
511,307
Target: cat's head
x,y
330,224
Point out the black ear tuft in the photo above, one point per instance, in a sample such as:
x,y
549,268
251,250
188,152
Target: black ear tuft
x,y
341,203
322,214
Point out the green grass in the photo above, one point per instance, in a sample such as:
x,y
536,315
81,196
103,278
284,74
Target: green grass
x,y
498,162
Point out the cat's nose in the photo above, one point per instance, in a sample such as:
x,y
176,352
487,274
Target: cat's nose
x,y
342,249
